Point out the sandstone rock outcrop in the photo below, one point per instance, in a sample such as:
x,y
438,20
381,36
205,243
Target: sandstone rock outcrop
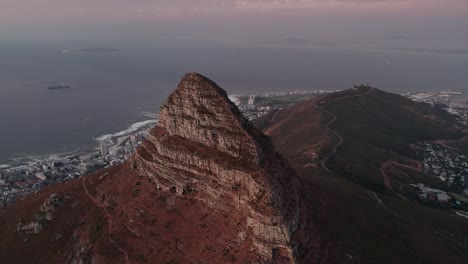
x,y
45,214
205,149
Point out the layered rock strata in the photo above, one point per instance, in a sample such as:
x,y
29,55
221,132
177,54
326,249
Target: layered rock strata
x,y
205,149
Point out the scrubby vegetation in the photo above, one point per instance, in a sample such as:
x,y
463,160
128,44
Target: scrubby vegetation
x,y
379,127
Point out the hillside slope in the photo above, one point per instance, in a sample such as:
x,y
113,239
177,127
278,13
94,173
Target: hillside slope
x,y
339,143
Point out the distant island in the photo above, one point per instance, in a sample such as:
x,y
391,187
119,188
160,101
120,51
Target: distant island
x,y
306,42
357,45
60,86
95,49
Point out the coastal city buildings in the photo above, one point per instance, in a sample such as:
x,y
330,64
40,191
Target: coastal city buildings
x,y
454,102
254,106
20,179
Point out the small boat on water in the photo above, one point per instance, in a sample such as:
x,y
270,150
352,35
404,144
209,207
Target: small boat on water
x,y
60,86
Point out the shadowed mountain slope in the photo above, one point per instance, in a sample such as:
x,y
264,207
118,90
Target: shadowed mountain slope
x,y
357,130
339,142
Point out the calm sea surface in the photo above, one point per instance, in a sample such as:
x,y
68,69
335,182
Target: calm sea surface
x,y
112,90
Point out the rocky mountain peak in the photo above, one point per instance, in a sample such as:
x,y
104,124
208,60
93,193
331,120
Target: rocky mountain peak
x,y
200,111
204,149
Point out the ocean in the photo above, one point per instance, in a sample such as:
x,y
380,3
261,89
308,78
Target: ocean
x,y
115,87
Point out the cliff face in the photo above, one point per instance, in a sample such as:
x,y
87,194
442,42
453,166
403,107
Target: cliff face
x,y
200,111
203,148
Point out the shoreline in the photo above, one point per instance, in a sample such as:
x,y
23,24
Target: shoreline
x,y
93,148
24,175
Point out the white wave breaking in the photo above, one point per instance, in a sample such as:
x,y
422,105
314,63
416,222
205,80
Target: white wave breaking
x,y
234,98
150,114
4,166
133,128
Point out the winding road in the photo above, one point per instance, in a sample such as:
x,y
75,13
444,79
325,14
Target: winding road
x,y
327,126
389,163
372,194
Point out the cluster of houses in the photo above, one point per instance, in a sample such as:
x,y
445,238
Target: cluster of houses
x,y
449,165
455,102
24,178
458,204
254,106
19,180
429,194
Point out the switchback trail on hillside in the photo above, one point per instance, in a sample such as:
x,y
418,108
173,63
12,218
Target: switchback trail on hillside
x,y
389,163
334,118
372,195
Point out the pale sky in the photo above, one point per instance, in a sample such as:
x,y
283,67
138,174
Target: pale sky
x,y
58,10
324,19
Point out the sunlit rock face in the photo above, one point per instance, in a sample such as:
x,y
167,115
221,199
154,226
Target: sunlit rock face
x,y
203,148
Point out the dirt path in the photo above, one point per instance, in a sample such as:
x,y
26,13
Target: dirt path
x,y
334,118
386,178
109,219
375,197
372,194
417,168
389,163
444,143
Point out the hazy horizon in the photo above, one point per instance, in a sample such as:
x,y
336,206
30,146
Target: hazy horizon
x,y
386,23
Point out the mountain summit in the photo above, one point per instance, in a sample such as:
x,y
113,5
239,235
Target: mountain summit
x,y
205,186
205,149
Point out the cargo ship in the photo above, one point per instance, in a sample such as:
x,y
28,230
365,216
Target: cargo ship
x,y
60,86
